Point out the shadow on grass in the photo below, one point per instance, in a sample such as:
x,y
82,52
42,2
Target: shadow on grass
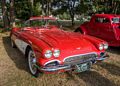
x,y
15,55
95,79
113,69
92,78
115,50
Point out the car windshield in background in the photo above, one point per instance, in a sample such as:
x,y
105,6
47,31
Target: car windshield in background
x,y
116,20
46,22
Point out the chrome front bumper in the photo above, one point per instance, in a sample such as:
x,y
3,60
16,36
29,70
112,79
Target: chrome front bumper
x,y
60,67
56,68
70,66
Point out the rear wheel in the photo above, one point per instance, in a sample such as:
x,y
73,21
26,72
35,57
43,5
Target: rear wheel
x,y
32,64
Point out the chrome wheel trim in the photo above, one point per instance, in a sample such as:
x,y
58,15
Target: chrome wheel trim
x,y
31,58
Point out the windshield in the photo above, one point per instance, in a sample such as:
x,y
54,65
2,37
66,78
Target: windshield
x,y
43,22
116,20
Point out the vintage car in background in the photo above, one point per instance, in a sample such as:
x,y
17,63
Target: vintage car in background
x,y
104,26
50,49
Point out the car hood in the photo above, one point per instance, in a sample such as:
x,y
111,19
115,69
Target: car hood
x,y
63,39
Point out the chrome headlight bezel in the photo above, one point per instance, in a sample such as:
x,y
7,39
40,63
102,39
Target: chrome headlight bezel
x,y
105,46
56,53
48,54
101,46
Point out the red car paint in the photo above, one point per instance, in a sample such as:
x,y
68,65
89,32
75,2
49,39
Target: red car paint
x,y
50,37
102,26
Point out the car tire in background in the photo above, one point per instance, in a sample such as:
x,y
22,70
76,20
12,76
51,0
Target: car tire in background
x,y
79,30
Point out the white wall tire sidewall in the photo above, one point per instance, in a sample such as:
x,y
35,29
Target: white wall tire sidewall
x,y
29,63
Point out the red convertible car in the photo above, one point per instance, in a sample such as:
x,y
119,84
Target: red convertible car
x,y
104,26
50,49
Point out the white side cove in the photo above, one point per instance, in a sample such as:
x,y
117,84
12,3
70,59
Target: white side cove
x,y
21,45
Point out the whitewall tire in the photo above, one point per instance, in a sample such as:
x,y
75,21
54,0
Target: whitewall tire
x,y
32,64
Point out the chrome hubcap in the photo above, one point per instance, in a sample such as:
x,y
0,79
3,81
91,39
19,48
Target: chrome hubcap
x,y
32,62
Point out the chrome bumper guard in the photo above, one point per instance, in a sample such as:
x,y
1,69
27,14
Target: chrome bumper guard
x,y
105,56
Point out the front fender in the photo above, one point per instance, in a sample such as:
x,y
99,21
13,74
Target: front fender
x,y
94,40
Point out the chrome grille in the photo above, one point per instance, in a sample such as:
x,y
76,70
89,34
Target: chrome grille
x,y
80,59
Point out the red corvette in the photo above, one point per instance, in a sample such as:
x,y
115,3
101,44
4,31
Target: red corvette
x,y
104,26
50,49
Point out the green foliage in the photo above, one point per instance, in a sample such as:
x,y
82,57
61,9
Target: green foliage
x,y
81,8
1,23
64,16
37,11
23,9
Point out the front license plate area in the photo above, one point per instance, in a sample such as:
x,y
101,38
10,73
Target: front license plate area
x,y
82,67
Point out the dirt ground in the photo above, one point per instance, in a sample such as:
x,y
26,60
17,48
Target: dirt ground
x,y
14,70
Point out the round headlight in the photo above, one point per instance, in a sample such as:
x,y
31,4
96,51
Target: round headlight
x,y
101,47
106,46
56,53
48,54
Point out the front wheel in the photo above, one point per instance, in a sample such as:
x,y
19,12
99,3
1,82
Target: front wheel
x,y
32,63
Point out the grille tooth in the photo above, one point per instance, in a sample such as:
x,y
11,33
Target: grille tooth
x,y
80,59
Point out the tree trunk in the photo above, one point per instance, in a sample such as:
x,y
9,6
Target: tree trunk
x,y
32,5
12,15
4,14
43,12
72,17
47,8
116,8
44,7
71,7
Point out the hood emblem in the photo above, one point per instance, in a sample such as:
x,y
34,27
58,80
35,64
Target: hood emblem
x,y
78,48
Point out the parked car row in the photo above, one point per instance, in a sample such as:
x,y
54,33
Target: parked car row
x,y
50,49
